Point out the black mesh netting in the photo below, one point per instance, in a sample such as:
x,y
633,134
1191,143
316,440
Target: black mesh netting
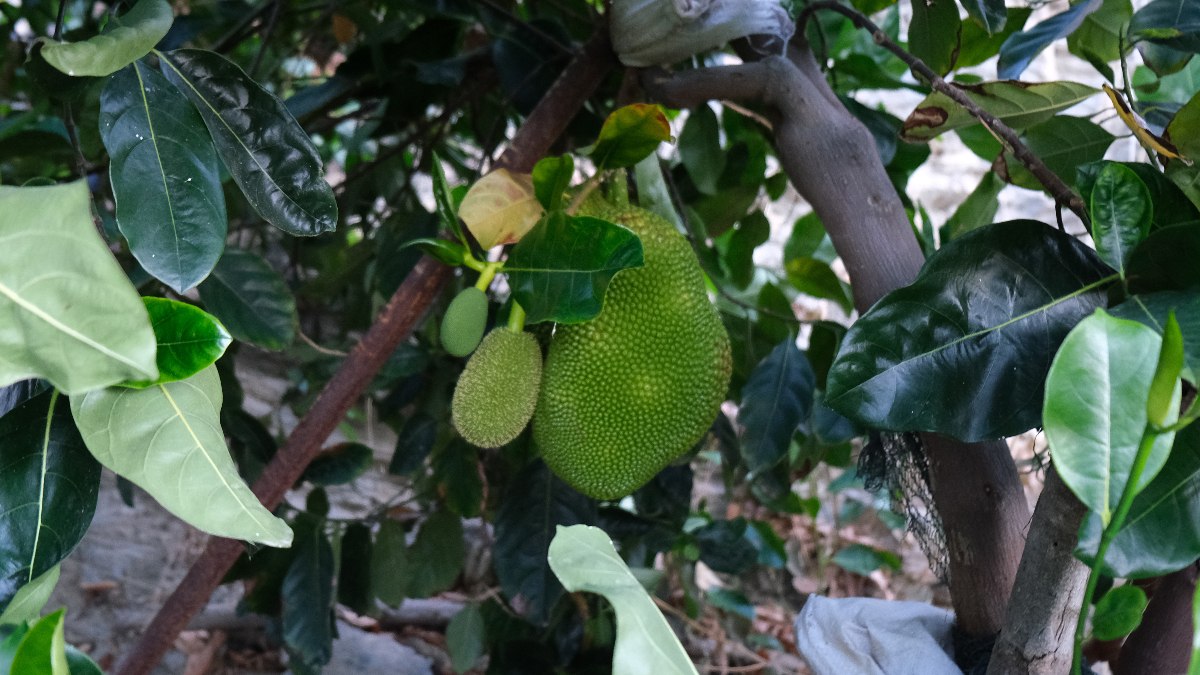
x,y
896,462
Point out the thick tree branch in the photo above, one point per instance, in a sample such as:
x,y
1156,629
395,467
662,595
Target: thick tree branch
x,y
831,159
1059,190
1040,622
393,325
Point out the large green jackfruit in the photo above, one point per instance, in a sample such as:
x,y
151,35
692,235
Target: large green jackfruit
x,y
625,394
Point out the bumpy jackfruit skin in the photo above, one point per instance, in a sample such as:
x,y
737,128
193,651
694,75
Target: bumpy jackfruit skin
x,y
464,321
497,391
628,392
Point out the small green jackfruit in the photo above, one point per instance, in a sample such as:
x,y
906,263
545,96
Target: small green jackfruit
x,y
498,389
465,319
625,394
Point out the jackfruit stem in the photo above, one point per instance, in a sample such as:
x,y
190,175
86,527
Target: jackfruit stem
x,y
618,188
516,318
586,189
487,274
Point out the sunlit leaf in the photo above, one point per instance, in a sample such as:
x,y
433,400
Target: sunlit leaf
x,y
167,439
189,340
1095,410
126,39
67,312
584,559
1119,612
500,208
1121,212
629,134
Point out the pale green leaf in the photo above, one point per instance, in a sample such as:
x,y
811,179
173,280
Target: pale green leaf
x,y
126,39
1018,104
584,559
167,439
1095,409
27,604
43,650
68,313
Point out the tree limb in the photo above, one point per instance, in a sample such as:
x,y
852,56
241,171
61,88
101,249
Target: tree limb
x,y
1059,190
394,324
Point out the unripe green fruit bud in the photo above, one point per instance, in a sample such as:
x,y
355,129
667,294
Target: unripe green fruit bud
x,y
498,390
465,319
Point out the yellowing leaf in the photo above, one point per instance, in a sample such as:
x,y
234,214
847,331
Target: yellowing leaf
x,y
500,208
1138,126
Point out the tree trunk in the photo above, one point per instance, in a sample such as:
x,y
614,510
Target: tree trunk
x,y
1163,642
1039,630
831,159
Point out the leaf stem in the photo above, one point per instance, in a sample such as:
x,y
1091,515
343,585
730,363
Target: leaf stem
x,y
1106,538
516,317
487,274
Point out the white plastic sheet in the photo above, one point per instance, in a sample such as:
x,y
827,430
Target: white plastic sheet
x,y
661,32
865,636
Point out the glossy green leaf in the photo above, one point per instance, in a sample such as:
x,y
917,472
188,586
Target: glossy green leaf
x,y
965,348
584,559
189,340
1062,143
268,155
466,638
438,552
251,300
991,14
1017,104
168,440
1118,612
1020,49
17,393
27,604
1153,310
1171,206
1172,23
43,650
457,475
551,176
307,594
1166,260
165,177
80,663
1121,212
48,490
339,464
1194,665
1099,37
700,149
934,33
561,269
977,210
126,39
67,312
537,502
1185,128
776,400
414,442
1095,410
629,134
354,569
